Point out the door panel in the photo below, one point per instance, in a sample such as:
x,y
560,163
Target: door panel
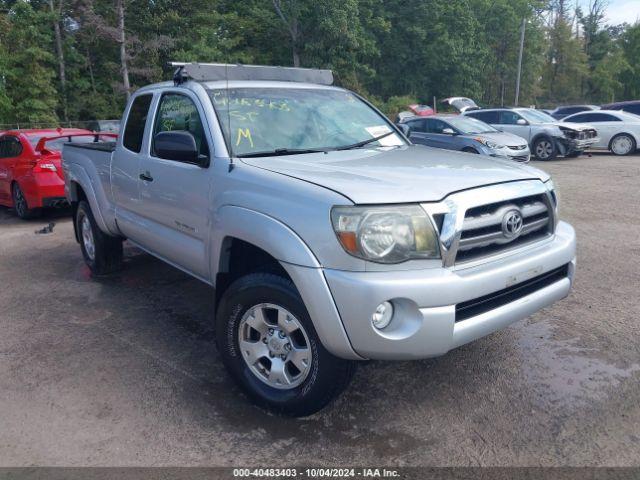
x,y
175,195
125,168
509,123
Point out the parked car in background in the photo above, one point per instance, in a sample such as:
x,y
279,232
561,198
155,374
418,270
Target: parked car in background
x,y
30,168
110,126
327,244
461,104
632,106
618,131
466,134
415,110
561,112
547,137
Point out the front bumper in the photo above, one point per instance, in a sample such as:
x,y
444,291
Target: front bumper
x,y
575,145
424,323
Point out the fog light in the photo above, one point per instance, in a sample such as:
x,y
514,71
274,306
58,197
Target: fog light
x,y
381,318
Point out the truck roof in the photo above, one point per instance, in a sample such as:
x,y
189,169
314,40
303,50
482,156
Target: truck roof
x,y
222,84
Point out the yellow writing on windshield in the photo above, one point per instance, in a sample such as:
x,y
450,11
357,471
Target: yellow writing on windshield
x,y
244,134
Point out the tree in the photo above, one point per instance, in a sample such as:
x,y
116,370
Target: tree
x,y
28,66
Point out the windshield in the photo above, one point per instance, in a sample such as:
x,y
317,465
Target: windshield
x,y
536,116
256,120
470,126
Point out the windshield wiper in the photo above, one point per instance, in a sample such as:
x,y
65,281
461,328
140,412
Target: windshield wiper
x,y
281,151
365,142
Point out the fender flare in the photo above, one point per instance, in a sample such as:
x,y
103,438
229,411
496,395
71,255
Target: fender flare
x,y
78,177
262,231
304,269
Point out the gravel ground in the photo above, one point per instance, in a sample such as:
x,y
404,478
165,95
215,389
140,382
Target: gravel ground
x,y
123,370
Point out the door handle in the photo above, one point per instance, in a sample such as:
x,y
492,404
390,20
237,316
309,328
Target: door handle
x,y
146,176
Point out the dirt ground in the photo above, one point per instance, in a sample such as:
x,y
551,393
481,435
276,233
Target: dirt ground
x,y
123,371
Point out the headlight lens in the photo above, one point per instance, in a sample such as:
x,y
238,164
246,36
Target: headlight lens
x,y
489,144
386,234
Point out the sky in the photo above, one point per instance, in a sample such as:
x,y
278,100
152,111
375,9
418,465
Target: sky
x,y
620,11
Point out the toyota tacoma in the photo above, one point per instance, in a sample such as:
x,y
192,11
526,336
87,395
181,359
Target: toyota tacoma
x,y
329,238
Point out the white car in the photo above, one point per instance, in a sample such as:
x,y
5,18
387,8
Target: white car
x,y
618,131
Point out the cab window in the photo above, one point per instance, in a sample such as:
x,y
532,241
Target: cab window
x,y
177,112
134,129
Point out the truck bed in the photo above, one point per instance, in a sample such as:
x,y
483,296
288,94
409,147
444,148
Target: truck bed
x,y
101,146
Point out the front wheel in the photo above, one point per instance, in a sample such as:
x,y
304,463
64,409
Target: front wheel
x,y
267,342
622,144
102,253
544,148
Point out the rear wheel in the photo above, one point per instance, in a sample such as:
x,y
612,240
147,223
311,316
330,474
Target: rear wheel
x,y
267,342
102,253
470,150
20,204
622,144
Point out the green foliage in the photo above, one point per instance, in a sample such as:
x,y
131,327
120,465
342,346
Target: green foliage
x,y
28,66
395,52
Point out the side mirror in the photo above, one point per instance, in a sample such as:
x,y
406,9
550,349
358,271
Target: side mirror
x,y
177,145
404,128
522,121
448,131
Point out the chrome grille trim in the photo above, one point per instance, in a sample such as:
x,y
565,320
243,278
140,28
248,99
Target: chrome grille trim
x,y
451,212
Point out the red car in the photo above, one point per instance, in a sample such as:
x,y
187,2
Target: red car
x,y
30,167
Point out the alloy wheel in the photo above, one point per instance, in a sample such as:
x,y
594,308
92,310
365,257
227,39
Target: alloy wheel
x,y
622,145
544,149
87,238
275,346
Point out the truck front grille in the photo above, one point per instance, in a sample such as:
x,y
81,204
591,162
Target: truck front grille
x,y
484,232
480,305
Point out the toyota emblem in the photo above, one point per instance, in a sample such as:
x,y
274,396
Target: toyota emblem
x,y
512,224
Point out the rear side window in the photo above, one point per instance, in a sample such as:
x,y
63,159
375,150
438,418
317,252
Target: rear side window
x,y
134,129
10,147
486,117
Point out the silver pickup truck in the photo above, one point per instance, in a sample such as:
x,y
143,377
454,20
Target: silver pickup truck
x,y
328,236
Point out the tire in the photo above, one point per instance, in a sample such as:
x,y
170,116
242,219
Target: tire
x,y
248,352
470,150
20,204
622,144
102,253
544,148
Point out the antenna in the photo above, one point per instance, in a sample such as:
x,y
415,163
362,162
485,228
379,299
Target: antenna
x,y
231,165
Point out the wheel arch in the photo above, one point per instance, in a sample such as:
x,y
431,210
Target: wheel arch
x,y
278,247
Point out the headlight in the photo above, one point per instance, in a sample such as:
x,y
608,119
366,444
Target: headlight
x,y
392,234
489,144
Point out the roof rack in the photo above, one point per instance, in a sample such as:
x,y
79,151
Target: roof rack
x,y
205,72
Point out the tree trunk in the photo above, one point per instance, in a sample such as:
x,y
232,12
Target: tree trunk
x,y
293,25
60,53
123,49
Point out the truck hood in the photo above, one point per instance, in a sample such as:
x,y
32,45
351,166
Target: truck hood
x,y
397,174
